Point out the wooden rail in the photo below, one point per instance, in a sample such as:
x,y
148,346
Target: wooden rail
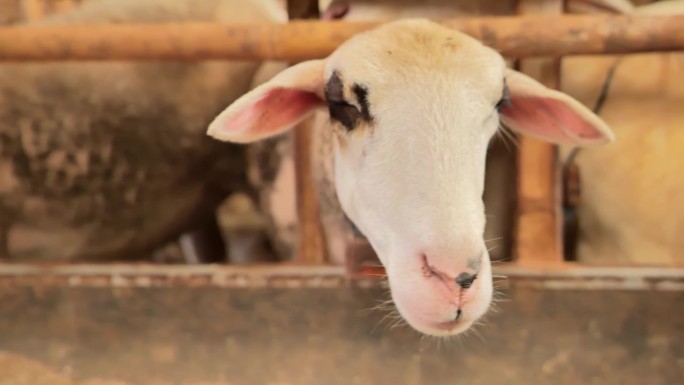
x,y
538,230
310,244
516,36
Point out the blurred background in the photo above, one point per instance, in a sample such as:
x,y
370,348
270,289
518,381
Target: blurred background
x,y
134,249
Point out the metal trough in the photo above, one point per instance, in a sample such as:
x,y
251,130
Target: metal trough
x,y
315,325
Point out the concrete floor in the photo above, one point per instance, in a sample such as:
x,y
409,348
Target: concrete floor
x,y
208,335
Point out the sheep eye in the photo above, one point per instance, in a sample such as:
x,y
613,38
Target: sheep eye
x,y
340,111
505,100
345,113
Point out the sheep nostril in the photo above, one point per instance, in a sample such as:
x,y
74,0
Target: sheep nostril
x,y
465,280
427,270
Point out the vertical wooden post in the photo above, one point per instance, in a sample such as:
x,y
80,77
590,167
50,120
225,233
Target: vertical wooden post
x,y
33,9
310,247
37,9
539,227
302,9
62,5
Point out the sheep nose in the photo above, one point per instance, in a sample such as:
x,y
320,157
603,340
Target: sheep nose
x,y
465,280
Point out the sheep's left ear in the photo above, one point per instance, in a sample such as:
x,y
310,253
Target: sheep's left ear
x,y
550,115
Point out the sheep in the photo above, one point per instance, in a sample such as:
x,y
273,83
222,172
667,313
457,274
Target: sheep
x,y
272,167
605,234
407,110
632,194
386,10
108,160
500,185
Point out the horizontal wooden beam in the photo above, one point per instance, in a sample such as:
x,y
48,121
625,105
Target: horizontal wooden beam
x,y
513,36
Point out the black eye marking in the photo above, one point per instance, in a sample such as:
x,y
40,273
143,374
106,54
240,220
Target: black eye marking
x,y
505,100
334,89
361,93
340,110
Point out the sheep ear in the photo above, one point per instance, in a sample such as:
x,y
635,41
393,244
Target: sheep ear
x,y
273,107
550,115
600,6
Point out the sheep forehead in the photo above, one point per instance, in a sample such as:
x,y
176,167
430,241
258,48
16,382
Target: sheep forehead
x,y
409,53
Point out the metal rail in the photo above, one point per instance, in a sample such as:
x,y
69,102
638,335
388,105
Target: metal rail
x,y
548,276
514,36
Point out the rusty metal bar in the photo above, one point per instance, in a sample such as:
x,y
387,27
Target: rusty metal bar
x,y
193,336
562,276
515,36
575,276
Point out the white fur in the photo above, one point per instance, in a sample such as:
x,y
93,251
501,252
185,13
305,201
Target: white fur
x,y
412,178
387,10
499,196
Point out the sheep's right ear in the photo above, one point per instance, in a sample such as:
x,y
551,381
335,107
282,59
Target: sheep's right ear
x,y
600,6
273,107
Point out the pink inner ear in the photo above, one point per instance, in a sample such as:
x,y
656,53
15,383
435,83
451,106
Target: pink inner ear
x,y
276,110
548,118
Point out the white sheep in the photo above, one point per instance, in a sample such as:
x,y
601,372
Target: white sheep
x,y
387,10
632,192
408,110
109,159
634,227
271,161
